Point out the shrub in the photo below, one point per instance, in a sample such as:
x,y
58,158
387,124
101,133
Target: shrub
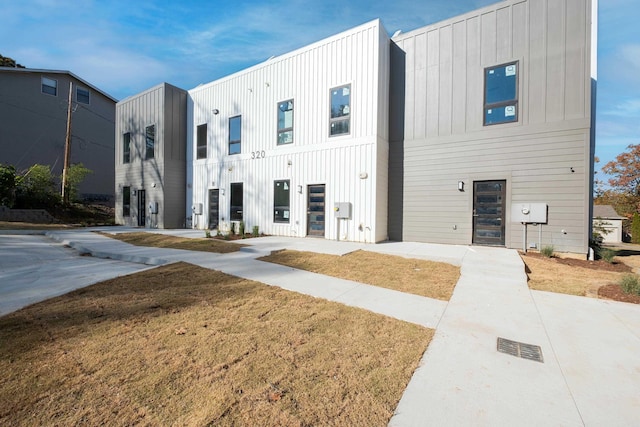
x,y
207,233
256,231
241,229
635,228
607,254
232,228
547,251
630,284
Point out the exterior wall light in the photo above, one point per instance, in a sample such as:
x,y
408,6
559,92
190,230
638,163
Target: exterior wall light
x,y
300,189
215,111
460,185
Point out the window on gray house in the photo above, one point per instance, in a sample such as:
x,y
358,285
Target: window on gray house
x,y
201,144
501,94
340,110
281,201
49,86
150,142
82,95
237,199
126,201
235,130
285,122
126,148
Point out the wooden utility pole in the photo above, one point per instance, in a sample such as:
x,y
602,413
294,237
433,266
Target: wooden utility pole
x,y
67,150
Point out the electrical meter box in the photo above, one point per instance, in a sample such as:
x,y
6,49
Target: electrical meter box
x,y
342,210
197,208
153,207
529,213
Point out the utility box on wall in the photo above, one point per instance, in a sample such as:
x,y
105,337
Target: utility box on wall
x,y
197,208
342,210
529,213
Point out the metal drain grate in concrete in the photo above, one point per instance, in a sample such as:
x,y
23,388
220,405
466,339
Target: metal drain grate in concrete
x,y
518,349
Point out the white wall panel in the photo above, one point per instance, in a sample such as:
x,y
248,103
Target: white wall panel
x,y
360,58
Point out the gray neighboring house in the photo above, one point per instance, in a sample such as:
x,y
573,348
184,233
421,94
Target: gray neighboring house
x,y
33,110
150,158
605,216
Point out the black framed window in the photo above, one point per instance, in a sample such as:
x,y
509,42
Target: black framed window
x,y
281,201
82,95
237,199
126,201
49,86
340,121
235,133
150,142
126,148
201,142
285,122
501,94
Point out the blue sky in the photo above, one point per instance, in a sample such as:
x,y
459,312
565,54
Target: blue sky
x,y
124,47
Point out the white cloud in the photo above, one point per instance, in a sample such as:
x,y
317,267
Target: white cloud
x,y
625,108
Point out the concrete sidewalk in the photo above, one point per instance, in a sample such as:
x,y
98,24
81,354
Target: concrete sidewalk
x,y
590,373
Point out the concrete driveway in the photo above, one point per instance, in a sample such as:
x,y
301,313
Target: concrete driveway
x,y
34,268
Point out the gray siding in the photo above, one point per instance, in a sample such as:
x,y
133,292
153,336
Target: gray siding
x,y
34,127
443,139
163,177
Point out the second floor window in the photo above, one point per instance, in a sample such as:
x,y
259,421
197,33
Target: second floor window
x,y
285,122
201,145
235,129
340,120
150,142
49,86
82,95
126,148
501,94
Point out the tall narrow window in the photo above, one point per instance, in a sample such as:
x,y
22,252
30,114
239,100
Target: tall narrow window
x,y
281,201
501,94
150,142
49,86
236,202
126,201
82,95
235,128
126,148
285,122
340,110
202,142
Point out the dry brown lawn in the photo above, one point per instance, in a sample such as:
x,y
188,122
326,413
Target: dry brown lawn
x,y
173,242
547,274
11,225
420,277
182,345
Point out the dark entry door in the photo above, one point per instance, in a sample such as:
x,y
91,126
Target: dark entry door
x,y
214,201
489,212
315,210
142,208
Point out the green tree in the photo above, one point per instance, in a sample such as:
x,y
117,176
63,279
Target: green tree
x,y
75,175
7,185
635,228
36,188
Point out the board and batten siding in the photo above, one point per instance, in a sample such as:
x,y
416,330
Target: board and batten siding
x,y
348,165
163,177
545,157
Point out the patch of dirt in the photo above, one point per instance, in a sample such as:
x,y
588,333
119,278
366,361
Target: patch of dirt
x,y
615,293
616,267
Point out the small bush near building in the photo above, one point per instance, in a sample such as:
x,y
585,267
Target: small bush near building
x,y
256,231
606,254
547,251
630,284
